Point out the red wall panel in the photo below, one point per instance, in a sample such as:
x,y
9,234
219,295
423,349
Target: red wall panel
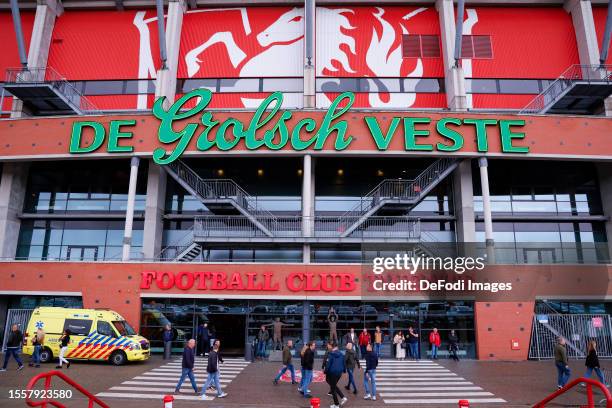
x,y
105,45
491,101
423,100
599,15
9,57
527,42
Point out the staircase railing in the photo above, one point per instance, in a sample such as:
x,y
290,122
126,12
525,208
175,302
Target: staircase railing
x,y
46,401
47,75
589,393
170,252
578,72
219,189
399,189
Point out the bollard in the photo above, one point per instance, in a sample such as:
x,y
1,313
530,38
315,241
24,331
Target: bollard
x,y
315,403
464,404
168,401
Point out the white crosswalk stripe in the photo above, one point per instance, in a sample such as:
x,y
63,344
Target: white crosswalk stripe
x,y
159,381
426,382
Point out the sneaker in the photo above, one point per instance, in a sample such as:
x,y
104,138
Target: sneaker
x,y
300,390
343,401
58,367
307,396
559,387
329,393
293,382
20,367
177,392
37,366
373,397
222,395
275,382
367,397
30,364
347,388
68,365
2,369
355,392
334,406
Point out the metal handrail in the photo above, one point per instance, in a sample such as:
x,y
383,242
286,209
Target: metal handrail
x,y
401,189
589,390
92,399
292,227
47,75
577,72
220,188
182,244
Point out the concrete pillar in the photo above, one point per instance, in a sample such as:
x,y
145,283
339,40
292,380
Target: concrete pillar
x,y
308,203
154,211
309,54
604,171
44,21
463,197
166,78
454,79
12,193
486,209
306,322
129,212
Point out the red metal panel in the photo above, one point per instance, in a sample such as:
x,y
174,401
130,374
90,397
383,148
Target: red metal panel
x,y
105,45
527,42
492,101
110,102
599,15
422,100
9,57
242,42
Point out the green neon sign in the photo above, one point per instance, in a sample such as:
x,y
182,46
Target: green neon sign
x,y
307,133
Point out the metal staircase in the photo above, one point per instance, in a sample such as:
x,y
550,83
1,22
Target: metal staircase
x,y
580,89
46,92
222,196
396,192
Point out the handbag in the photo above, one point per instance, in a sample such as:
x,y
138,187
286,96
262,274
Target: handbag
x,y
403,344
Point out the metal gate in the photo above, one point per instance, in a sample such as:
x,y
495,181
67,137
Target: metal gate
x,y
576,329
20,317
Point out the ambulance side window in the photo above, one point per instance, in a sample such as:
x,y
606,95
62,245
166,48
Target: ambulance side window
x,y
105,329
78,327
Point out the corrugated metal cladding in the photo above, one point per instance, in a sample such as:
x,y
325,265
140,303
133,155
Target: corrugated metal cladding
x,y
268,42
9,55
527,42
599,15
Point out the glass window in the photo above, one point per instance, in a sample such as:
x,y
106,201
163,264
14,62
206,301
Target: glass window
x,y
78,327
105,329
337,84
380,85
239,85
191,84
485,86
104,87
425,85
141,86
283,84
519,86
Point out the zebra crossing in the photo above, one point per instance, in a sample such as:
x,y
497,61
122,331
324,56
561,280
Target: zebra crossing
x,y
426,382
160,381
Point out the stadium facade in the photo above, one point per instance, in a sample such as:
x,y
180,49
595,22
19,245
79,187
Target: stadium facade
x,y
212,210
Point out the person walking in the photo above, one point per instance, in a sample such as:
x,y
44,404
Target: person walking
x,y
167,337
563,370
203,338
413,343
262,340
369,376
351,361
287,363
592,364
351,337
453,345
187,366
364,340
334,369
212,368
13,344
378,339
434,341
308,354
37,341
399,341
64,341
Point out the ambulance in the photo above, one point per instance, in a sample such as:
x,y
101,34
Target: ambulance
x,y
96,334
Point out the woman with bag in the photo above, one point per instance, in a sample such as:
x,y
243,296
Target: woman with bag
x,y
37,341
400,346
592,364
64,341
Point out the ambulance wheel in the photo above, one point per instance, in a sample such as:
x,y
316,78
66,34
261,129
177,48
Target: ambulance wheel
x,y
46,355
118,358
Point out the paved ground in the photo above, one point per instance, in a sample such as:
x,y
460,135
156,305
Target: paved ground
x,y
403,384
